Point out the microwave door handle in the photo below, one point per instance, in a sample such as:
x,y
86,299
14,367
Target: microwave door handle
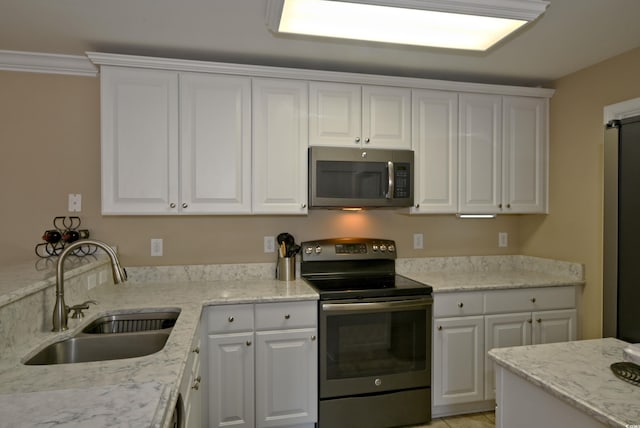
x,y
392,175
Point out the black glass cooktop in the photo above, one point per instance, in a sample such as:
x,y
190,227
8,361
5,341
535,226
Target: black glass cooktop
x,y
357,287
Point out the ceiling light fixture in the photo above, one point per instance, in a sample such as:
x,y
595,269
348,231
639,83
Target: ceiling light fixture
x,y
454,24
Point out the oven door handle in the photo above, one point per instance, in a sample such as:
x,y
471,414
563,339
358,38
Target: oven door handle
x,y
367,306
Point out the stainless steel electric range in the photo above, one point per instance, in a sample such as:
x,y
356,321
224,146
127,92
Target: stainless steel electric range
x,y
374,332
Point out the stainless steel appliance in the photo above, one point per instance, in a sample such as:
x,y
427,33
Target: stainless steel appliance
x,y
621,281
374,332
341,177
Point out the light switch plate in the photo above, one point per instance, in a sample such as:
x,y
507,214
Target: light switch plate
x,y
75,202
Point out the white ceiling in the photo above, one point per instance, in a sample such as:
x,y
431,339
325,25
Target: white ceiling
x,y
571,35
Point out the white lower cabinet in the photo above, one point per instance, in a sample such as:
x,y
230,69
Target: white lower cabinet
x,y
262,365
191,388
468,324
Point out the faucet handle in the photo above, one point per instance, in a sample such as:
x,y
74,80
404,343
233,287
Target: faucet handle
x,y
77,309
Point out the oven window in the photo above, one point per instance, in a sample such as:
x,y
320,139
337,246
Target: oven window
x,y
375,343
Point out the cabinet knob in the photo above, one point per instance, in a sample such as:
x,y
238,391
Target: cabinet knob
x,y
539,320
439,327
230,319
460,304
529,320
500,206
196,383
366,141
185,205
196,350
417,205
357,139
533,300
508,205
303,206
287,316
313,338
248,343
172,205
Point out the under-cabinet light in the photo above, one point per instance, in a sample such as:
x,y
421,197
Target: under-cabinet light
x,y
455,24
476,215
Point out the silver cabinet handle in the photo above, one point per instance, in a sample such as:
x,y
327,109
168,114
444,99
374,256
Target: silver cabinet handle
x,y
185,205
366,141
196,383
460,304
196,350
313,338
539,320
529,320
230,319
533,300
172,205
439,327
287,316
248,343
303,206
357,139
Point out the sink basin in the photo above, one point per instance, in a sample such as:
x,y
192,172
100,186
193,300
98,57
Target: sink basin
x,y
133,322
85,348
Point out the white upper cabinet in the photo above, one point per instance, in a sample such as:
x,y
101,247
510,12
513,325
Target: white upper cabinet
x,y
155,163
342,114
524,155
503,154
215,142
280,143
480,145
139,141
435,146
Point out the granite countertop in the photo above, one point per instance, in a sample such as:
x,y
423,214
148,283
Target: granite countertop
x,y
188,288
107,380
579,374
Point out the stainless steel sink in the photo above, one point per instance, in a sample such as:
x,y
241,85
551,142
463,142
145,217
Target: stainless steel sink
x,y
82,349
133,322
112,337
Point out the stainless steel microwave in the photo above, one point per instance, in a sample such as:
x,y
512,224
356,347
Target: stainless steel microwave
x,y
345,177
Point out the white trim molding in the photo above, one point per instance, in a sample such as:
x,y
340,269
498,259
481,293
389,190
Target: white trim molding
x,y
622,110
34,62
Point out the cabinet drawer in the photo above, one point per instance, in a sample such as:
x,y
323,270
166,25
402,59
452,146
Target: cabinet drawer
x,y
530,299
457,304
276,316
229,318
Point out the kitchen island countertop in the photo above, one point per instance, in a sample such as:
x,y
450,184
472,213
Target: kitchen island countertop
x,y
578,373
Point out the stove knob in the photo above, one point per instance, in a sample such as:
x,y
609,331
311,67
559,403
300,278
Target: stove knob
x,y
374,247
308,250
391,248
383,248
318,249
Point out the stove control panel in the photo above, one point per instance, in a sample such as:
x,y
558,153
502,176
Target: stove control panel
x,y
348,249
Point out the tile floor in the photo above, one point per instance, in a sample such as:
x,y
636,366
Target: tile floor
x,y
475,420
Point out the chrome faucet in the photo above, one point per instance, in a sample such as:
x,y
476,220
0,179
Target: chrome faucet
x,y
61,310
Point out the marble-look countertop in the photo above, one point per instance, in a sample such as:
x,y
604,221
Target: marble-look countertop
x,y
478,273
579,374
164,368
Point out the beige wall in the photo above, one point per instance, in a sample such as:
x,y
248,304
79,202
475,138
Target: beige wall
x,y
573,229
50,140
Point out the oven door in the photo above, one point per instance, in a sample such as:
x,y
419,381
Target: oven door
x,y
374,346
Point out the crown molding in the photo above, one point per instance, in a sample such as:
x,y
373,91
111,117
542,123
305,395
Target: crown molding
x,y
119,60
34,62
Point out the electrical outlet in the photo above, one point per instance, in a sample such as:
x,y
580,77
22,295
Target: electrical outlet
x,y
418,241
503,239
269,244
156,247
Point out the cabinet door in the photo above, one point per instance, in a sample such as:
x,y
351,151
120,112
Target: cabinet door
x,y
458,360
231,380
524,154
335,114
286,377
386,117
280,142
435,146
554,326
215,142
480,145
502,331
139,140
